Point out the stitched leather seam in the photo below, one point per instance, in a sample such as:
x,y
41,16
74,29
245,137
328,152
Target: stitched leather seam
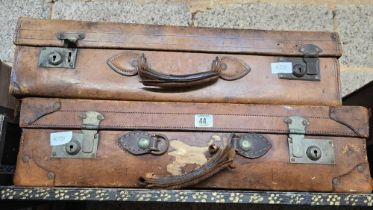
x,y
235,47
184,35
194,128
177,113
116,66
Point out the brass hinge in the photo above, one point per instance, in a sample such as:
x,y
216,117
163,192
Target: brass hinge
x,y
61,57
306,67
305,150
83,144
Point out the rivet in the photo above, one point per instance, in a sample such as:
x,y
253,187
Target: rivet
x,y
336,181
50,175
360,168
292,159
143,143
100,117
26,158
83,115
223,66
56,105
288,120
245,144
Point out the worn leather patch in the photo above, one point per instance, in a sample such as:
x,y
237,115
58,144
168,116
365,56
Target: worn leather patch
x,y
234,68
124,63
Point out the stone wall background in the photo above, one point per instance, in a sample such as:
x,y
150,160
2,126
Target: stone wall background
x,y
352,19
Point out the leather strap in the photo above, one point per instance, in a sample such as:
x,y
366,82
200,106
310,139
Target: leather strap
x,y
221,160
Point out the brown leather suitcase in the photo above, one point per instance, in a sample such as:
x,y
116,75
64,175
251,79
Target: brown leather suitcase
x,y
72,59
95,143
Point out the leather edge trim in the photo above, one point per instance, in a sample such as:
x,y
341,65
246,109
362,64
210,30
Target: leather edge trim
x,y
360,132
36,112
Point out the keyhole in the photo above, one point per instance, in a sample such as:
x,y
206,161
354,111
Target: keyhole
x,y
299,70
69,57
55,58
313,153
73,147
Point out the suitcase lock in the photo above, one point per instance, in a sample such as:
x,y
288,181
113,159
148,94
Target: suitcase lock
x,y
61,57
141,143
306,68
83,144
305,150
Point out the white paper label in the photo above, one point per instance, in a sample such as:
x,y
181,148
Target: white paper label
x,y
203,120
60,138
282,67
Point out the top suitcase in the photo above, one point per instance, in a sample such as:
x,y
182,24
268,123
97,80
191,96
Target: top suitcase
x,y
73,59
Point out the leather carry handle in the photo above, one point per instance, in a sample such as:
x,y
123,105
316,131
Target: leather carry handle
x,y
150,77
227,68
221,160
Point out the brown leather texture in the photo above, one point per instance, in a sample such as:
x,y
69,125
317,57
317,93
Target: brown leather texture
x,y
39,32
9,105
107,65
189,145
94,79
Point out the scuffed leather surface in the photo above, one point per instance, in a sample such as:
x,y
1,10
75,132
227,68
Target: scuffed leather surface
x,y
180,116
269,172
94,79
39,32
220,161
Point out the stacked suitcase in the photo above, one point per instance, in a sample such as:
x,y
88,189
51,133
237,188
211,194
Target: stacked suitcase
x,y
123,105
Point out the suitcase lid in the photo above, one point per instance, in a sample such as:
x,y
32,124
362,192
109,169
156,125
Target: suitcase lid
x,y
59,33
351,121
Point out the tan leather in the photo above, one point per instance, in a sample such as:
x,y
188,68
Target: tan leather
x,y
105,66
220,161
188,148
64,113
39,32
93,78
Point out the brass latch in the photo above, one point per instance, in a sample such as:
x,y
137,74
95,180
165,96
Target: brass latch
x,y
83,144
61,57
304,150
306,67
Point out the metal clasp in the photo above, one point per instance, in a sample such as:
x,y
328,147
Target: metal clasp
x,y
304,150
306,68
64,57
83,144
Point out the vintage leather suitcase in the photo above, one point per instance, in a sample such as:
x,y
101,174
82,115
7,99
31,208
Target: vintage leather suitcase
x,y
95,143
72,59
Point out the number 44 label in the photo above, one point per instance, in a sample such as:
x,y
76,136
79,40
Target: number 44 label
x,y
203,121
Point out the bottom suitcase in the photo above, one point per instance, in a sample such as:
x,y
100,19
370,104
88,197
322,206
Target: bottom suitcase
x,y
170,145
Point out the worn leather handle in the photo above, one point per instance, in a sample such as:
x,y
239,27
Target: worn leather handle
x,y
221,160
150,77
228,68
